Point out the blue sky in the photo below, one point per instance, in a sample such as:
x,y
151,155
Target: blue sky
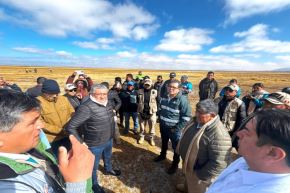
x,y
151,34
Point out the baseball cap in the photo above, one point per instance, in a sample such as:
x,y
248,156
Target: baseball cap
x,y
172,74
148,82
233,87
130,83
279,98
69,86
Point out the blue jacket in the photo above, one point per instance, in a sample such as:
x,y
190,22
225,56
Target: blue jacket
x,y
175,112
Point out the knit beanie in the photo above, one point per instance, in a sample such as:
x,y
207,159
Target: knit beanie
x,y
50,86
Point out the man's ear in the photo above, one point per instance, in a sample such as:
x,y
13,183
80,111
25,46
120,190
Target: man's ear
x,y
277,153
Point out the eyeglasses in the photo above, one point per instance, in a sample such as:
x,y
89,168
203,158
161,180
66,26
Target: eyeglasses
x,y
172,87
101,94
72,90
229,90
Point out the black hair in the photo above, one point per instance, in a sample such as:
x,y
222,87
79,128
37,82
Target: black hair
x,y
233,80
159,76
106,84
272,127
119,79
210,72
40,80
12,105
286,90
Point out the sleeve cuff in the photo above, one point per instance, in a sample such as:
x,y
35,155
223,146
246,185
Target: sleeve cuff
x,y
76,187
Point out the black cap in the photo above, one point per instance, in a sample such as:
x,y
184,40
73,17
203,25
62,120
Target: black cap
x,y
50,86
172,74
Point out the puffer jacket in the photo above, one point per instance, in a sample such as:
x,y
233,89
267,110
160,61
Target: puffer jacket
x,y
55,115
214,153
98,120
114,99
175,112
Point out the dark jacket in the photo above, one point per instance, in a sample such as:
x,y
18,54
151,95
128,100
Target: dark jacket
x,y
163,90
129,100
99,121
175,112
114,99
207,89
74,101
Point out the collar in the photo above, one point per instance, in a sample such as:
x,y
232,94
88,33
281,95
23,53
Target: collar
x,y
94,100
22,158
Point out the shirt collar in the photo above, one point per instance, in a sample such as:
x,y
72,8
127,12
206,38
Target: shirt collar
x,y
94,100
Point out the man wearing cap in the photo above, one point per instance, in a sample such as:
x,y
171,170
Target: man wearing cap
x,y
163,89
129,105
186,86
277,100
56,111
70,93
147,108
208,87
232,110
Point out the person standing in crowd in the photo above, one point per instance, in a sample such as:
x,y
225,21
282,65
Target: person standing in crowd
x,y
205,148
232,110
6,85
79,75
115,100
147,108
140,76
56,111
129,98
232,82
129,78
36,90
186,86
25,165
277,100
70,93
164,87
97,113
158,83
264,144
174,114
208,87
255,99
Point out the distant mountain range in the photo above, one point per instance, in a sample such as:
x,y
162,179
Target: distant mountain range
x,y
283,69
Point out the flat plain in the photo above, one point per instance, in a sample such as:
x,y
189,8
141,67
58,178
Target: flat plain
x,y
139,173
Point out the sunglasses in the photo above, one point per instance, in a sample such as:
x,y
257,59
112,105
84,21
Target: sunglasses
x,y
72,90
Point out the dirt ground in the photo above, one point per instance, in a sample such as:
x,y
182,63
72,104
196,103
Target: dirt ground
x,y
139,173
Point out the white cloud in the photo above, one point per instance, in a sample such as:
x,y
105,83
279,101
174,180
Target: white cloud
x,y
100,43
135,60
239,9
31,50
126,54
45,52
64,54
82,18
254,40
185,40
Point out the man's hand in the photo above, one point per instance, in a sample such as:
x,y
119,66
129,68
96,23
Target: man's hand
x,y
77,164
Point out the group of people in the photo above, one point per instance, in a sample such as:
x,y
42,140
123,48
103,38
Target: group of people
x,y
80,127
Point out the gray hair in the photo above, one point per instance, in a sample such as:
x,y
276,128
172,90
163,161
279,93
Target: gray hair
x,y
207,106
97,86
176,81
12,106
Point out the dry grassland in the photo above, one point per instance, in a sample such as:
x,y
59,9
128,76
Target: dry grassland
x,y
139,172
